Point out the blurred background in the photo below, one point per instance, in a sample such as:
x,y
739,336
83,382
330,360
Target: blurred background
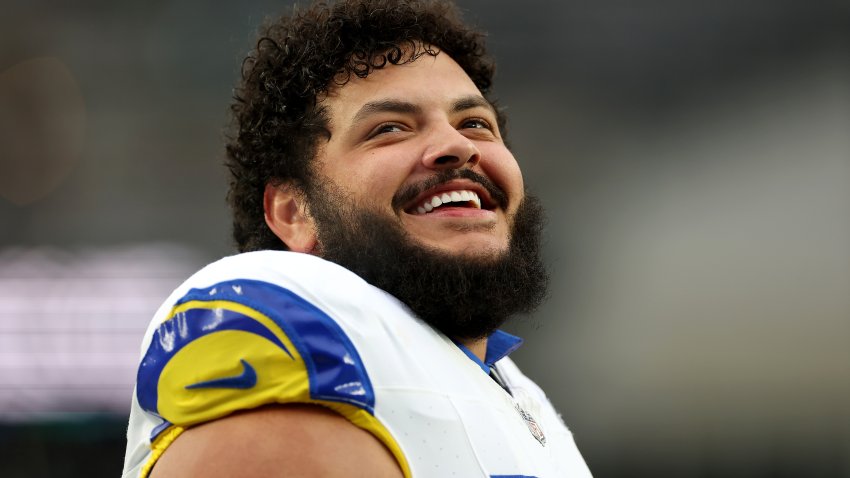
x,y
694,158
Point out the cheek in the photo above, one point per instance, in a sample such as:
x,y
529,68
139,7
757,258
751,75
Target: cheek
x,y
381,175
373,179
502,168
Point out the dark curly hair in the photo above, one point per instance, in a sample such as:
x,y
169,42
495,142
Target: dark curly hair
x,y
278,121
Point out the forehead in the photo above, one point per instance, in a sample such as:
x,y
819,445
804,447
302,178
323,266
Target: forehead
x,y
429,81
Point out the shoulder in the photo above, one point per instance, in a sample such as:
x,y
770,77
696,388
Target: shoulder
x,y
258,329
292,270
256,277
249,330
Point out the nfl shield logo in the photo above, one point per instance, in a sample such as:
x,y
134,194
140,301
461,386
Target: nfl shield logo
x,y
532,425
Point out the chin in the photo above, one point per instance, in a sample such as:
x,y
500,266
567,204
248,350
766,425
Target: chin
x,y
470,249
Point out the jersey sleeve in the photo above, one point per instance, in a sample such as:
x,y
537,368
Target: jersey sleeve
x,y
243,343
251,330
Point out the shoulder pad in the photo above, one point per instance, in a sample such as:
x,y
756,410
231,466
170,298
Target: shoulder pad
x,y
243,343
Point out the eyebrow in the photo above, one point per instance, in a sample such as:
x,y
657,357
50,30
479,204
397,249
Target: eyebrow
x,y
385,106
398,106
470,102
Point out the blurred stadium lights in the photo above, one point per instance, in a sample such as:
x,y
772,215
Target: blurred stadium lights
x,y
71,324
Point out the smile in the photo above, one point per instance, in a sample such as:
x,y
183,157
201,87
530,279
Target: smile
x,y
461,198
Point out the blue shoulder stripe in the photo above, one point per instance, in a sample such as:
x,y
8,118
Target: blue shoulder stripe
x,y
336,371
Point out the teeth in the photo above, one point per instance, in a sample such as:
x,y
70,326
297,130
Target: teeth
x,y
454,196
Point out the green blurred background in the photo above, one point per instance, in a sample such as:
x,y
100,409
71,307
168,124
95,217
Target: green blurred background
x,y
694,158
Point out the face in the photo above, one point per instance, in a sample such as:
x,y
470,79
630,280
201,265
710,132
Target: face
x,y
416,193
418,143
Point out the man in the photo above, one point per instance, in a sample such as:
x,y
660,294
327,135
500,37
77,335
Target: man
x,y
391,236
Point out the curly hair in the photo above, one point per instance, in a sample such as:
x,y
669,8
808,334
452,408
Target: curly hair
x,y
278,120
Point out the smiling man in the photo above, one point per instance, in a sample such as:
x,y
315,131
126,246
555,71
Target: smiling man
x,y
385,235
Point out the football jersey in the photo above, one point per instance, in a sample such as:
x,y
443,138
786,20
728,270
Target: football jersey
x,y
282,327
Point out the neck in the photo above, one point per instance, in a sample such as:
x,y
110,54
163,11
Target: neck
x,y
477,346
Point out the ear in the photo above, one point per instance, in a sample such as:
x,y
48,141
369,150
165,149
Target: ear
x,y
286,215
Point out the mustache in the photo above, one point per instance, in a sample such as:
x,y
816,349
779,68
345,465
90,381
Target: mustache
x,y
409,193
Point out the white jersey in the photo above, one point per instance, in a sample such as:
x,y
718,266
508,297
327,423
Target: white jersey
x,y
282,327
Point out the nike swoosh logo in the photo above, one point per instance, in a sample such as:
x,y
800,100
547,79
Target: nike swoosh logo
x,y
246,379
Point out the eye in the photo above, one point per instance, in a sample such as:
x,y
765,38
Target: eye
x,y
475,123
384,128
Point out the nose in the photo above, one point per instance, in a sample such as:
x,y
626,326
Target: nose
x,y
449,149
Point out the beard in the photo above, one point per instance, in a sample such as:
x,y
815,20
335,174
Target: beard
x,y
464,296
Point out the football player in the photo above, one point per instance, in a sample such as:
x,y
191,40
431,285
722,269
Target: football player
x,y
385,234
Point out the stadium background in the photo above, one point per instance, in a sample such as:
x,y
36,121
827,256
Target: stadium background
x,y
694,157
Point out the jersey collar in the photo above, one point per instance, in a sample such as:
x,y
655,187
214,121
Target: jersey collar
x,y
499,345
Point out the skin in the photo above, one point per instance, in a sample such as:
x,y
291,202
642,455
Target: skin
x,y
276,442
393,129
400,125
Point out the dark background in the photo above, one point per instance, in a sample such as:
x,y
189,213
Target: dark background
x,y
694,158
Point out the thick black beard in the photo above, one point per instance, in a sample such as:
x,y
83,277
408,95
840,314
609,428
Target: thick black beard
x,y
462,296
